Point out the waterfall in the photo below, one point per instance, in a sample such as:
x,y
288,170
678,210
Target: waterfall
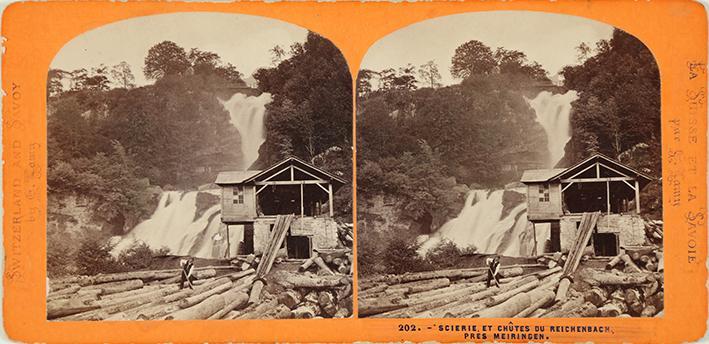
x,y
553,113
175,225
483,225
247,115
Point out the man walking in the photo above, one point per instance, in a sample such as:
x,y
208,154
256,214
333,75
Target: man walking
x,y
493,270
187,266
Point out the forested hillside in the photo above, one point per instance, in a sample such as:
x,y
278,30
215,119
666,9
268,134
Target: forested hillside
x,y
114,146
618,109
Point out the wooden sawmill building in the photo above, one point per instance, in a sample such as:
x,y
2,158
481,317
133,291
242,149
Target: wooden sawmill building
x,y
254,198
556,198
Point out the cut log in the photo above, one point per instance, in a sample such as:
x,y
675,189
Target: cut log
x,y
327,303
630,264
563,289
255,295
280,312
450,274
606,278
290,298
614,261
195,299
212,304
420,286
329,255
499,298
306,311
308,263
62,308
377,306
152,296
181,294
511,272
544,298
143,290
155,312
323,267
237,301
300,281
341,313
657,300
117,287
648,311
65,291
660,261
632,300
514,304
613,308
587,310
560,309
597,296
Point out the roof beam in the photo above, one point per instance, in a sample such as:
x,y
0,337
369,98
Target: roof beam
x,y
592,180
288,182
614,170
308,173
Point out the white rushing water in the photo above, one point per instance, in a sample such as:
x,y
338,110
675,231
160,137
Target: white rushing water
x,y
482,224
553,113
174,225
247,116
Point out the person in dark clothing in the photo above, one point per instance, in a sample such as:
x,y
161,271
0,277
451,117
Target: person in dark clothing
x,y
493,270
187,266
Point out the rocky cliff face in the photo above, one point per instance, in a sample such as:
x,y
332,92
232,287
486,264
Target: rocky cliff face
x,y
72,215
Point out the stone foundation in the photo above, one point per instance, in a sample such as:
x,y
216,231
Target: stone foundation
x,y
321,230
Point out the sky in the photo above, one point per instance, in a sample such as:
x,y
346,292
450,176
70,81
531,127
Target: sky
x,y
549,39
242,40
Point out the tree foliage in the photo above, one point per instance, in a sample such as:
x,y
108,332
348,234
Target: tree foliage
x,y
618,105
472,58
429,74
165,59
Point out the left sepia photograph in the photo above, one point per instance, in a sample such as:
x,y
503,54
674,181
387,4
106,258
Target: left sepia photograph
x,y
199,167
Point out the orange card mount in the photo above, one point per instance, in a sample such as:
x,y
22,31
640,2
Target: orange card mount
x,y
338,172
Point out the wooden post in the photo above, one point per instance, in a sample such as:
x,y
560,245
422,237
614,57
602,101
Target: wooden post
x,y
329,191
302,211
534,231
637,197
608,196
228,245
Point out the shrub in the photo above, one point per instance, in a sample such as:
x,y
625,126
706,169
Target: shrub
x,y
400,257
445,255
139,256
59,256
94,256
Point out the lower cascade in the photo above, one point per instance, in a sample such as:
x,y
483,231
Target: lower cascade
x,y
177,226
488,225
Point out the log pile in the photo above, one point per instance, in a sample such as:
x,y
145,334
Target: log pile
x,y
144,295
653,230
629,287
245,289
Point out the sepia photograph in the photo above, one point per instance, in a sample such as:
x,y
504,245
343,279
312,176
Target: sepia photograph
x,y
509,165
199,167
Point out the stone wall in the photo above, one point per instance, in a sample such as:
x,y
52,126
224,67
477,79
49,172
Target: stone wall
x,y
630,229
322,230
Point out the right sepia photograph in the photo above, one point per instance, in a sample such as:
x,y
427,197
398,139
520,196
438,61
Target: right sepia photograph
x,y
509,165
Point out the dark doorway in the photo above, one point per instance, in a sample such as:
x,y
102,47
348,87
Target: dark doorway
x,y
248,246
555,236
299,247
605,244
